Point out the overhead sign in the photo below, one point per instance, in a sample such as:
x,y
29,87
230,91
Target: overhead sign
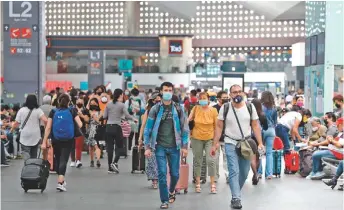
x,y
175,47
21,46
95,68
125,65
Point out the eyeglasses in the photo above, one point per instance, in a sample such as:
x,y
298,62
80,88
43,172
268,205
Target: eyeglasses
x,y
236,92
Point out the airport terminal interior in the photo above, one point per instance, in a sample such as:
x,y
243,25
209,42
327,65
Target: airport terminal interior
x,y
117,66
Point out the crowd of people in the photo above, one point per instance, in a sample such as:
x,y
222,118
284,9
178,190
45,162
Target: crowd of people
x,y
166,126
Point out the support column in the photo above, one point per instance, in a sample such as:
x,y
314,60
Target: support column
x,y
132,18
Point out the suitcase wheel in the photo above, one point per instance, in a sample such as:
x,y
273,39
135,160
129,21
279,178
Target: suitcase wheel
x,y
204,181
142,172
132,172
25,190
186,191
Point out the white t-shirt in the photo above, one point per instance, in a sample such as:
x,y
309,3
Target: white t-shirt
x,y
289,98
288,120
232,128
31,133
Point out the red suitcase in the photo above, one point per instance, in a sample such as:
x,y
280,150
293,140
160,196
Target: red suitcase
x,y
292,161
183,182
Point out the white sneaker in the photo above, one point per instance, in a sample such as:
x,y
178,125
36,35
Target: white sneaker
x,y
72,164
61,187
78,164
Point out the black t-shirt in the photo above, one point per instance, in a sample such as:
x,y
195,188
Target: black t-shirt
x,y
217,107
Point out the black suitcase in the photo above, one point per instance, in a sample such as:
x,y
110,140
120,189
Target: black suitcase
x,y
35,174
123,152
138,161
203,171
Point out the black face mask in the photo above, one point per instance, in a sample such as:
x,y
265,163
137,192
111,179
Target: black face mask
x,y
94,108
99,93
79,105
337,105
224,101
326,122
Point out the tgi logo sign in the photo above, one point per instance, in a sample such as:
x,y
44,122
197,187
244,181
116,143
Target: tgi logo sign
x,y
175,47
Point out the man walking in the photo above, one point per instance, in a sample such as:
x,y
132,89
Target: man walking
x,y
166,133
240,120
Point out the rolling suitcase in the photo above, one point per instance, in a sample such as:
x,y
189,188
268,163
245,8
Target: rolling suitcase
x,y
292,162
203,171
138,161
35,174
277,162
183,182
123,152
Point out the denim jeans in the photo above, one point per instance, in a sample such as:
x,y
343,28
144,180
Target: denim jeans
x,y
238,169
268,138
172,157
283,133
340,169
317,155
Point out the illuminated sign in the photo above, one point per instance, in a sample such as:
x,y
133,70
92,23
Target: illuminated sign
x,y
175,47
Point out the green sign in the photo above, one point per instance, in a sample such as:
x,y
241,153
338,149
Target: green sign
x,y
125,65
130,85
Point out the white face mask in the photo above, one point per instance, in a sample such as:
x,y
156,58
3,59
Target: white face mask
x,y
104,99
315,129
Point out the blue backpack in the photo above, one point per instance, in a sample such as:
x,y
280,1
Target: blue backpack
x,y
63,124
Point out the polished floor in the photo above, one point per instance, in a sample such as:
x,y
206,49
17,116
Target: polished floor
x,y
94,189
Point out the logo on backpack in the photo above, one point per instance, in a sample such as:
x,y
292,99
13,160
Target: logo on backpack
x,y
63,124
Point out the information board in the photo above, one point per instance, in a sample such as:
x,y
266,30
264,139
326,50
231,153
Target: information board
x,y
21,34
95,68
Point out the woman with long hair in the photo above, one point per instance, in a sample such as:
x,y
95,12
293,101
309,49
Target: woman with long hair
x,y
205,119
92,142
255,162
62,147
269,134
114,111
151,167
28,119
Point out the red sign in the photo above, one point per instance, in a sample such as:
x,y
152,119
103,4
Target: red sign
x,y
15,33
26,33
95,65
13,50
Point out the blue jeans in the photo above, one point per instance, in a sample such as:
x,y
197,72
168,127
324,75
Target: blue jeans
x,y
172,157
316,157
268,138
340,169
238,169
283,133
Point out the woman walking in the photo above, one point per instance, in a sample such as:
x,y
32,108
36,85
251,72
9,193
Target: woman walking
x,y
205,118
151,167
28,119
92,142
64,119
269,134
113,113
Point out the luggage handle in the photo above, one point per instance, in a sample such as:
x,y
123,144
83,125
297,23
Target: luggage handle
x,y
183,160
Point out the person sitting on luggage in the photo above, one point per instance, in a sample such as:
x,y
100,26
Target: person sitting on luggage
x,y
318,130
333,182
205,118
337,142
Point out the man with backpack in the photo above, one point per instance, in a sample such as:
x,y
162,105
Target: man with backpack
x,y
238,119
136,108
166,133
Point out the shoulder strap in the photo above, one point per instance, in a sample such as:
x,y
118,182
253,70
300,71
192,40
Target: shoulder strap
x,y
236,117
26,119
225,113
249,108
179,111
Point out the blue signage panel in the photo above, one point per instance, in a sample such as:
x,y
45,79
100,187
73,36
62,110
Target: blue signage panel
x,y
233,66
175,47
125,65
83,85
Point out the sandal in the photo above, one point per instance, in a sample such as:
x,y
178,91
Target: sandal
x,y
198,188
154,185
172,197
213,189
164,206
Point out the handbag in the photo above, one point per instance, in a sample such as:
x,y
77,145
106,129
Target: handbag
x,y
192,122
243,147
126,128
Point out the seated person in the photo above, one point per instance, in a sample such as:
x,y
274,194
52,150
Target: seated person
x,y
332,130
318,130
333,182
337,142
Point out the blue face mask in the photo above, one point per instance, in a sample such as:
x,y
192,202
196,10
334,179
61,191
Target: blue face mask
x,y
237,99
166,96
203,102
